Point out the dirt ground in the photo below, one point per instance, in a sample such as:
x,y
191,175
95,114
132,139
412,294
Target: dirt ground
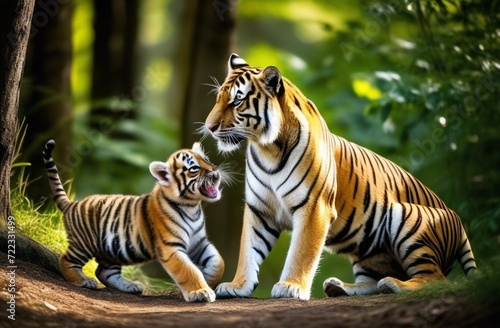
x,y
44,299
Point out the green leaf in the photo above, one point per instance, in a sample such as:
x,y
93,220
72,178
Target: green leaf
x,y
21,164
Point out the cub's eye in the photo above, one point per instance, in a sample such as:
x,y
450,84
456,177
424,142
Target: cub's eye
x,y
194,169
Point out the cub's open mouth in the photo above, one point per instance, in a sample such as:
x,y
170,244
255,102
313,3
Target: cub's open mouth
x,y
209,189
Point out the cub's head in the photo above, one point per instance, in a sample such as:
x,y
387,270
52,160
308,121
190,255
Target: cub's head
x,y
188,176
247,106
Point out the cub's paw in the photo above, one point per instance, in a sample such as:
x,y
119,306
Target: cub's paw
x,y
132,288
389,285
232,290
90,283
200,295
285,289
334,287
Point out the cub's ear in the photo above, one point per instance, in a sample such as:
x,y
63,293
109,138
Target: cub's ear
x,y
161,172
235,62
273,81
197,148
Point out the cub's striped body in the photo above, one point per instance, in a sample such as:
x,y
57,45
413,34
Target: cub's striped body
x,y
167,224
330,193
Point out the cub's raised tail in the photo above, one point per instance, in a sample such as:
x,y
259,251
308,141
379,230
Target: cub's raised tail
x,y
58,192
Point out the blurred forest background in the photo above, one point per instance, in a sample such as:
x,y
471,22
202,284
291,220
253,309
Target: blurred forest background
x,y
119,84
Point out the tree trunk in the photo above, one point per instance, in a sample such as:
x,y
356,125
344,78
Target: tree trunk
x,y
15,20
114,64
49,109
206,41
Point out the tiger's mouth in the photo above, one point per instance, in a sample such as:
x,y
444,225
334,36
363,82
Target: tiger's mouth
x,y
229,143
209,187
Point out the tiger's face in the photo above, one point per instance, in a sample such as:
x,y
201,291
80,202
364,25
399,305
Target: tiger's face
x,y
247,106
188,175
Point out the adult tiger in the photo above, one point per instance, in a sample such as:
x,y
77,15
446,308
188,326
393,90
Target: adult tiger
x,y
167,224
330,193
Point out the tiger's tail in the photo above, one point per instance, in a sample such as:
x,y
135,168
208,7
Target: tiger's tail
x,y
58,192
466,257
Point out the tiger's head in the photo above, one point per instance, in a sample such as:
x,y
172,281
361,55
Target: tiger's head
x,y
188,176
247,106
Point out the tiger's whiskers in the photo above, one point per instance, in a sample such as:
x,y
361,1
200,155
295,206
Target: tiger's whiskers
x,y
215,86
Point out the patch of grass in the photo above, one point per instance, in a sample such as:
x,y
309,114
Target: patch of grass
x,y
435,290
482,288
46,228
152,286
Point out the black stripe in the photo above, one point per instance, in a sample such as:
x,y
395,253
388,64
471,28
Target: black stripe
x,y
370,273
348,249
259,252
298,183
270,230
423,260
355,191
205,261
423,272
342,235
408,235
174,244
268,245
367,198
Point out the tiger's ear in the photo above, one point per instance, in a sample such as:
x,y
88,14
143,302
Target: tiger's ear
x,y
235,62
273,81
161,172
197,148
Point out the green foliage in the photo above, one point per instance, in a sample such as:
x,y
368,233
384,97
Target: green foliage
x,y
443,101
482,288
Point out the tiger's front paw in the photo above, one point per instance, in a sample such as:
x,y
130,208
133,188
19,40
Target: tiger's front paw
x,y
200,295
285,289
232,290
334,287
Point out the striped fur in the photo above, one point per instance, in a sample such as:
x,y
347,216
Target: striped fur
x,y
166,224
332,194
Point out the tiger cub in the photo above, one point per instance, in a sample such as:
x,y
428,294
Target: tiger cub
x,y
167,224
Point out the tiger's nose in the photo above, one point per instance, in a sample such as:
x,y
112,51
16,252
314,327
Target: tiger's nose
x,y
214,173
213,127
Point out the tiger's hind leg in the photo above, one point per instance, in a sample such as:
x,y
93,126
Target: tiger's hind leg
x,y
390,285
367,273
111,277
71,269
425,245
